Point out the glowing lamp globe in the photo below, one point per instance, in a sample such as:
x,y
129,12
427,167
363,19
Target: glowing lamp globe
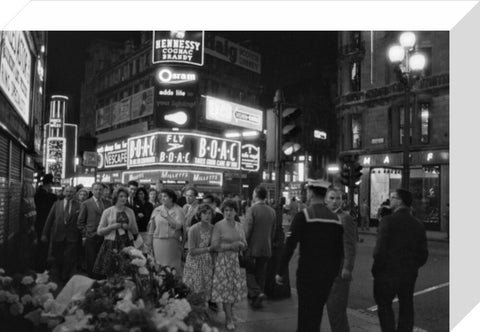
x,y
417,62
396,53
407,39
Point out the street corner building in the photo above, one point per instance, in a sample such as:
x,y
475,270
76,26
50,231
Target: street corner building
x,y
390,140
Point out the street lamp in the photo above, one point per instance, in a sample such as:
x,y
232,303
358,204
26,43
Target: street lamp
x,y
409,63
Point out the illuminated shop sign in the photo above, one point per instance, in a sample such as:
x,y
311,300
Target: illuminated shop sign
x,y
16,71
55,161
175,107
250,158
225,50
180,148
55,123
175,177
112,154
109,177
178,47
168,76
239,115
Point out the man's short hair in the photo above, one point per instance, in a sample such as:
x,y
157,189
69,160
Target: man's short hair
x,y
195,191
405,196
132,183
261,192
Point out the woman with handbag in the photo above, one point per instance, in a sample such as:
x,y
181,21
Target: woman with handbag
x,y
165,232
229,280
119,228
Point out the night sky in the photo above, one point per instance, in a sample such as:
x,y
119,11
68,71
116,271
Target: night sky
x,y
279,50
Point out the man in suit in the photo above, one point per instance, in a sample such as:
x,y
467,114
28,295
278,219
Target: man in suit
x,y
338,299
61,228
132,190
401,249
260,223
90,213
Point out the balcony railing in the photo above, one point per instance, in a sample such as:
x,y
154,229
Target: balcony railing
x,y
431,82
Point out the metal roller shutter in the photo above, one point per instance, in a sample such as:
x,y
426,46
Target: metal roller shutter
x,y
15,190
4,160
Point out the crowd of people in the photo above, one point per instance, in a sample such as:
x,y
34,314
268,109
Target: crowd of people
x,y
225,258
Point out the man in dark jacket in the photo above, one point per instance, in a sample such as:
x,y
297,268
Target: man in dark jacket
x,y
320,234
44,200
260,222
400,251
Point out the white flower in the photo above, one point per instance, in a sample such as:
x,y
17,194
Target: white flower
x,y
143,270
42,278
2,271
40,289
27,280
139,262
52,286
26,299
11,298
136,253
6,280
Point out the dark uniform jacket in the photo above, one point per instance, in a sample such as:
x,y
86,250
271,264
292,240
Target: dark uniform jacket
x,y
401,244
320,234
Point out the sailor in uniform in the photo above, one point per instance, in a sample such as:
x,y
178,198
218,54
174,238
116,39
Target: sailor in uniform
x,y
320,234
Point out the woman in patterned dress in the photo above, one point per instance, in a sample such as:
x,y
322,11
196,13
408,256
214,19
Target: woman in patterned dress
x,y
198,270
118,226
165,231
229,281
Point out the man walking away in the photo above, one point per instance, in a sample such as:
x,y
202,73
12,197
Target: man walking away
x,y
401,249
260,222
320,234
44,200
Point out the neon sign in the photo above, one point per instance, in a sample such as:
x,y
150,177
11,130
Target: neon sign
x,y
179,148
112,154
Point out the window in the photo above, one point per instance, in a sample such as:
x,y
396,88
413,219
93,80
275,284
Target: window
x,y
355,76
424,123
356,131
402,125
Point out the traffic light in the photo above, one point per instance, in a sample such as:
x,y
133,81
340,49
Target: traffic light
x,y
290,130
356,173
345,176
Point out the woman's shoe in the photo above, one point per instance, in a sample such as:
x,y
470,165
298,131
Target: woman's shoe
x,y
230,326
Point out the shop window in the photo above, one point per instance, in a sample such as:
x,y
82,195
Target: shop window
x,y
355,76
356,131
425,123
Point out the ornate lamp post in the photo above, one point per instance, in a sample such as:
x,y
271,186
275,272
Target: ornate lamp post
x,y
409,64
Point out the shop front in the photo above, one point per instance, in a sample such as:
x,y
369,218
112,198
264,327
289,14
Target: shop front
x,y
429,184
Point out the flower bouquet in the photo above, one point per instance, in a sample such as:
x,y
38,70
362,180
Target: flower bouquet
x,y
23,298
141,296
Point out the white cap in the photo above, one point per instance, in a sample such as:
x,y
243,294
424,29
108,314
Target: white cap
x,y
318,183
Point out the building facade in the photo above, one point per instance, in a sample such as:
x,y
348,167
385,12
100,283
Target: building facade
x,y
370,112
22,100
127,95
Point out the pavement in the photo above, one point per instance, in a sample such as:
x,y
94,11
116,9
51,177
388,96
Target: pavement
x,y
281,316
431,235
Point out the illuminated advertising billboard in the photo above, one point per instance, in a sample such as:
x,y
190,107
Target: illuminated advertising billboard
x,y
224,111
104,117
16,71
121,111
250,158
173,176
56,153
178,47
175,106
183,149
113,154
142,103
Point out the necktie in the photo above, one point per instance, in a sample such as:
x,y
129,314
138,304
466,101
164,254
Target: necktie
x,y
101,206
67,211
